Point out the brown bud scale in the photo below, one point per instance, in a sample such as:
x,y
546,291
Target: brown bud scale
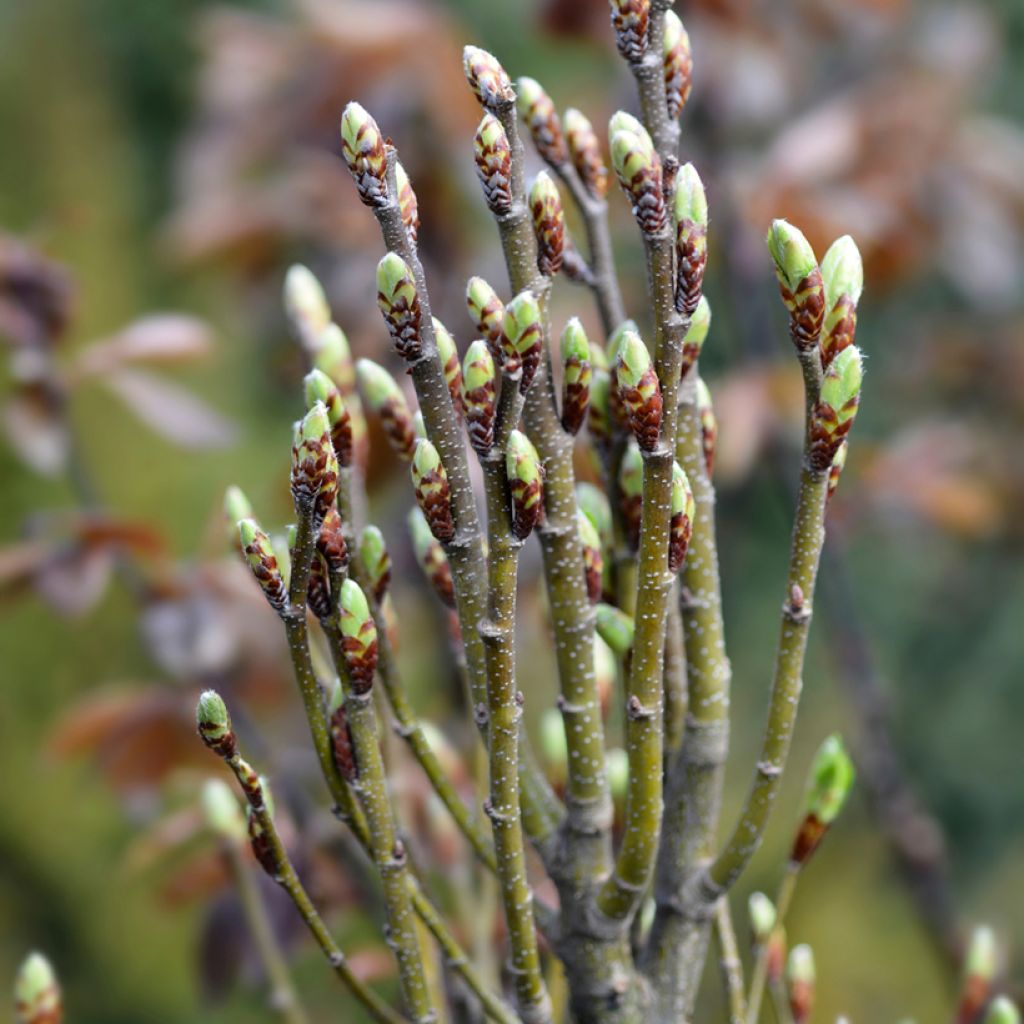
x,y
680,531
361,658
828,433
527,506
403,322
806,308
398,428
575,401
692,259
318,590
549,227
480,407
842,332
262,848
593,568
434,499
344,749
810,834
330,542
630,21
644,412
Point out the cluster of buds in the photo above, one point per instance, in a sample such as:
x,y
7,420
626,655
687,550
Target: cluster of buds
x,y
576,375
524,335
842,276
305,306
593,557
585,151
358,636
639,390
629,20
319,387
399,303
214,724
487,78
375,560
800,982
834,414
479,396
690,213
525,483
537,110
494,164
259,555
548,224
678,63
408,204
341,735
638,169
362,147
314,473
488,315
708,425
681,523
800,282
449,356
37,996
430,482
831,779
386,401
696,335
631,493
431,558
615,628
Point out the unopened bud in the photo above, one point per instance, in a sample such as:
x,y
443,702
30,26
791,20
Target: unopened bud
x,y
837,407
259,554
681,523
488,315
762,915
631,490
479,395
214,724
359,636
800,282
696,335
639,390
615,628
334,356
221,811
362,147
524,333
408,204
37,995
690,213
431,558
314,476
829,784
449,357
494,164
525,482
236,505
305,305
585,151
842,275
487,78
599,422
399,302
800,982
341,735
629,20
320,388
430,482
548,223
385,399
376,562
638,169
708,425
541,119
576,374
593,557
678,64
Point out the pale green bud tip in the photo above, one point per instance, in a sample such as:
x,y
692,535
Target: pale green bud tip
x,y
633,358
682,493
248,531
528,91
315,424
425,459
1002,1011
543,189
832,778
445,342
522,312
622,122
337,697
490,132
521,458
690,201
355,610
980,961
552,737
353,118
479,292
304,297
378,385
674,32
842,271
615,340
574,343
236,504
703,394
35,987
589,537
843,378
372,547
221,810
631,473
800,965
762,915
317,387
794,258
419,530
478,366
700,323
212,715
617,768
392,271
594,505
615,628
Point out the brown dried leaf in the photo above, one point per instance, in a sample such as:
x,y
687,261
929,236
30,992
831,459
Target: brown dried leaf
x,y
172,411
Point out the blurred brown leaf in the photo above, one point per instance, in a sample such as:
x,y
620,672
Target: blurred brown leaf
x,y
38,438
161,339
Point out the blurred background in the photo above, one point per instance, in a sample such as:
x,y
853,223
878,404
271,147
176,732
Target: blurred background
x,y
162,165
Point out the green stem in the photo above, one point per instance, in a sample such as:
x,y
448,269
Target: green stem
x,y
504,710
674,683
283,998
286,877
730,964
465,551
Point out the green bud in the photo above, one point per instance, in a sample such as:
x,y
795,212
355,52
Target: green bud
x,y
487,313
525,481
360,636
493,158
593,556
615,628
800,965
681,523
599,422
1002,1011
762,915
449,356
362,147
479,396
430,481
541,119
690,202
431,558
980,961
593,503
631,489
386,400
214,723
37,997
633,361
837,407
487,78
524,333
831,779
794,258
615,339
236,505
585,151
334,357
696,334
677,60
621,121
548,223
262,560
305,305
573,344
842,272
553,744
399,302
376,562
221,810
408,204
639,390
638,169
617,769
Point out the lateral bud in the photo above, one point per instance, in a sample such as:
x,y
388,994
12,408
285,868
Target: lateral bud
x,y
548,223
763,916
681,523
408,204
835,471
430,482
708,425
399,302
593,557
525,481
696,335
341,735
615,628
487,78
386,401
479,396
537,110
37,995
431,558
629,20
524,336
362,147
576,375
800,982
631,488
375,560
493,164
359,636
488,315
834,414
639,390
214,724
690,213
585,150
800,282
314,475
677,59
305,306
842,275
638,169
319,387
449,357
259,555
829,784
